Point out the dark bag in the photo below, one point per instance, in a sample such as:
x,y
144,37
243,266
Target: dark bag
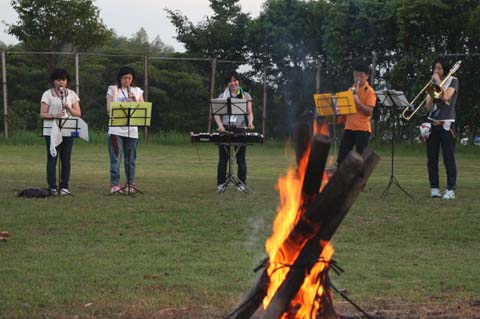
x,y
34,193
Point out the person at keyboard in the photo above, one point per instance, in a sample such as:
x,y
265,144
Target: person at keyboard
x,y
233,124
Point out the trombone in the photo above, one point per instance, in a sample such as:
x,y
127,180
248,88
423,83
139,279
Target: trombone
x,y
433,89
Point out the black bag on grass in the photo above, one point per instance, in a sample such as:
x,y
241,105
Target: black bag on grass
x,y
34,193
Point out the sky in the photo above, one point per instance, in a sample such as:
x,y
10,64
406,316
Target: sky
x,y
127,16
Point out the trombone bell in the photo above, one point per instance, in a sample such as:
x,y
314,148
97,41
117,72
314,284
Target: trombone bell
x,y
435,91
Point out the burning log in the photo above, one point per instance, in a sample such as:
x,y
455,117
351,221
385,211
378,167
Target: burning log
x,y
301,139
311,185
327,211
317,160
319,222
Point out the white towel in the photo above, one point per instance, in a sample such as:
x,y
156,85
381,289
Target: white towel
x,y
55,138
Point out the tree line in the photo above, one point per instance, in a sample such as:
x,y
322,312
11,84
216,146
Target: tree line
x,y
295,42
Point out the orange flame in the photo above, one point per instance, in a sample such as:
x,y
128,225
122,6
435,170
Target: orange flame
x,y
321,129
308,297
282,253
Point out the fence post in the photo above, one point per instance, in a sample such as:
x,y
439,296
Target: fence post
x,y
374,67
145,86
264,112
372,82
212,92
5,103
318,78
77,73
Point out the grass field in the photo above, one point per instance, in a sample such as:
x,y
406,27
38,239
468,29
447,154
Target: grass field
x,y
182,251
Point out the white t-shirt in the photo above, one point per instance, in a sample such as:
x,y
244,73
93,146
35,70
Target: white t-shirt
x,y
54,102
119,95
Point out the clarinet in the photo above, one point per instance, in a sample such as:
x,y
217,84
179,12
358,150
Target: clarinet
x,y
62,98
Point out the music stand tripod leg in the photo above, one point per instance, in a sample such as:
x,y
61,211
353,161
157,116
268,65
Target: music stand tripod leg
x,y
231,178
241,185
228,180
393,179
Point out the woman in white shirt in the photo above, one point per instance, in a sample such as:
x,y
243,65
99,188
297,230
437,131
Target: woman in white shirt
x,y
59,102
122,139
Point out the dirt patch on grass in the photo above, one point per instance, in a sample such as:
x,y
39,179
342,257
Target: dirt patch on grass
x,y
469,309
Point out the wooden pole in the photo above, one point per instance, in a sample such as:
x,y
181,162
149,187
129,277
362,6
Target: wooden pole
x,y
145,92
372,82
5,103
212,92
374,67
318,78
77,73
264,109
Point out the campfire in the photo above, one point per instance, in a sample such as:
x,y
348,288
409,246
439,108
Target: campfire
x,y
294,282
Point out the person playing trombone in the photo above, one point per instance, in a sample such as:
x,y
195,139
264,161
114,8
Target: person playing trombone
x,y
357,125
442,118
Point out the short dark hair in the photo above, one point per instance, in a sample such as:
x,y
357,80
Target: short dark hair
x,y
124,71
445,65
59,74
361,67
230,75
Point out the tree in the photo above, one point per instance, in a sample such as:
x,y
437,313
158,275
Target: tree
x,y
58,25
220,36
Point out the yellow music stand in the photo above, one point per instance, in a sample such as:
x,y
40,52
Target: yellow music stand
x,y
130,114
340,103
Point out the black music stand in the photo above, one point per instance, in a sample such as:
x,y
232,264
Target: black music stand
x,y
129,114
68,124
231,107
394,100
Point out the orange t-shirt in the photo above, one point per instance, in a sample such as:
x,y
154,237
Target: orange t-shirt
x,y
359,121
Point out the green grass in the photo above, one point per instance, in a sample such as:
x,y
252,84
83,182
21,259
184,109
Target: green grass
x,y
183,246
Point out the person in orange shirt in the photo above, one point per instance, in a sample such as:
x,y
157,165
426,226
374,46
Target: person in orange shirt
x,y
357,125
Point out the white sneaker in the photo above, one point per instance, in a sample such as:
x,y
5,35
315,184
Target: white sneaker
x,y
449,194
241,188
65,192
435,193
53,192
220,188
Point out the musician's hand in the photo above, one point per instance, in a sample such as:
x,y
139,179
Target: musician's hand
x,y
68,108
221,129
251,126
132,98
436,78
59,115
356,99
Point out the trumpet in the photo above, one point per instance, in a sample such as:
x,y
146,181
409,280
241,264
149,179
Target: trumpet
x,y
355,87
432,89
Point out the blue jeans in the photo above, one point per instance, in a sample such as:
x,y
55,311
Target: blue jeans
x,y
118,145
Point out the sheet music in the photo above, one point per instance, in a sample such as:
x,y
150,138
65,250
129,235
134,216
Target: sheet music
x,y
219,106
392,98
